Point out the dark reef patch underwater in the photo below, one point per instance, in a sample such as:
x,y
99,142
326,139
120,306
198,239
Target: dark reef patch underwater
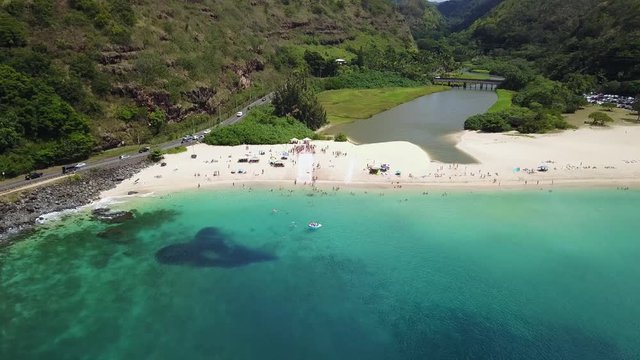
x,y
509,275
211,248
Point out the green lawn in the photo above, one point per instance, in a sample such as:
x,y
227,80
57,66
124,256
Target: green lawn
x,y
504,100
347,105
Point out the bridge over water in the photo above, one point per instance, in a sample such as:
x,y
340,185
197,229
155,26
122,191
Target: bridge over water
x,y
466,83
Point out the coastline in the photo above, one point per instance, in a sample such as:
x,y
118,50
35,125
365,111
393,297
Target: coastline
x,y
584,158
580,158
42,200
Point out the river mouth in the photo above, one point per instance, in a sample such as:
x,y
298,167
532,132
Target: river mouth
x,y
430,122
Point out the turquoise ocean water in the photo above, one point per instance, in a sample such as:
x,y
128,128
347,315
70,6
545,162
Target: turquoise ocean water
x,y
220,275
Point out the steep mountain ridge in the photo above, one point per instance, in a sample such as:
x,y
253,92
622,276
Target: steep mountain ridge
x,y
460,14
599,37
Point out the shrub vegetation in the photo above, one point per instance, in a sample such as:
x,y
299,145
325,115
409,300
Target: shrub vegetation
x,y
37,127
295,98
368,79
517,118
261,126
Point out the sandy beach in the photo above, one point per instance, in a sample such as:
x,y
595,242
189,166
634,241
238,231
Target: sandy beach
x,y
583,157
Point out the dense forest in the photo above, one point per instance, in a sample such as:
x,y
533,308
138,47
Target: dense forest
x,y
460,14
81,76
564,37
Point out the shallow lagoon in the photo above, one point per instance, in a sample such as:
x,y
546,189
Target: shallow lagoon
x,y
429,122
527,275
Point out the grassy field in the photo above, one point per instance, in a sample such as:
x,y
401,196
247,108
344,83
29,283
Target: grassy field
x,y
347,105
504,100
177,150
619,116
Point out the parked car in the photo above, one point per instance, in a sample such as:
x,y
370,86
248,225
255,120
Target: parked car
x,y
239,114
33,175
144,149
69,169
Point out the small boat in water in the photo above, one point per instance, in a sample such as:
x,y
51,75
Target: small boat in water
x,y
314,225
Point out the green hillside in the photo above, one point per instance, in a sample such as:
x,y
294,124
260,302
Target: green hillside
x,y
460,14
129,72
595,37
81,76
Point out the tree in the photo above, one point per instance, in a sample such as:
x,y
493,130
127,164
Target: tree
x,y
550,94
599,118
156,155
89,7
580,83
122,11
341,137
83,66
9,138
316,62
319,66
608,106
42,11
157,120
295,98
11,31
636,106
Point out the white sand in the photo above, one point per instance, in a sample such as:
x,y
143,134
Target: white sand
x,y
584,157
587,155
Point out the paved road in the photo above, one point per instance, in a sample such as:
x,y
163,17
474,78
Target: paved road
x,y
54,173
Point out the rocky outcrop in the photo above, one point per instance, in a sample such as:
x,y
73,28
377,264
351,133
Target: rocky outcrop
x,y
199,96
108,141
244,71
111,217
21,215
113,57
150,99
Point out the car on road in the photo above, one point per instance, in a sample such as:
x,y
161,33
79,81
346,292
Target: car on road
x,y
33,175
144,149
264,99
122,157
69,169
79,165
207,131
239,113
